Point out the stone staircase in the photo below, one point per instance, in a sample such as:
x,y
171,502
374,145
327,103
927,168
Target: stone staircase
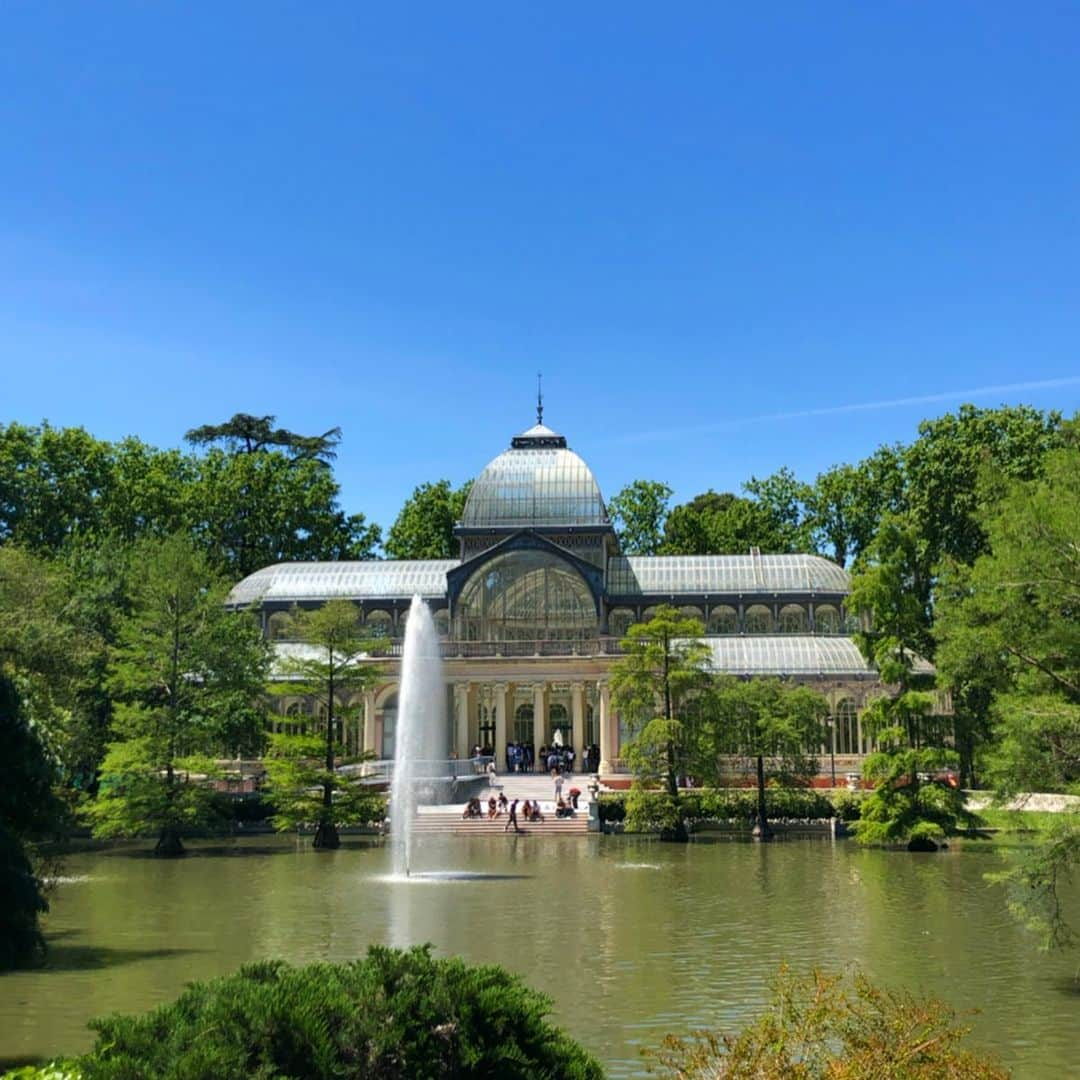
x,y
437,819
538,786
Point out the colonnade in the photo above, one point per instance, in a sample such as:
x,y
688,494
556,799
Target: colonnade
x,y
485,713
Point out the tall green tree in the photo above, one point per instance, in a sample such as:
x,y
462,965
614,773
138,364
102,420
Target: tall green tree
x,y
185,674
243,433
330,670
1014,614
250,510
785,499
38,656
654,684
775,725
638,513
847,503
424,529
722,524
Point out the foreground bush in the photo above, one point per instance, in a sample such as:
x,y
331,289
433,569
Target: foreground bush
x,y
393,1014
829,1026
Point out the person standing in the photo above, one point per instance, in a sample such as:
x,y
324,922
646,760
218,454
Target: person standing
x,y
558,785
512,820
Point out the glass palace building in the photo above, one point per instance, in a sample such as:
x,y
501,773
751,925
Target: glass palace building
x,y
532,611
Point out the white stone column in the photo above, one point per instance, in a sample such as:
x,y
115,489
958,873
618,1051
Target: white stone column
x,y
606,748
502,697
369,722
577,705
461,719
539,715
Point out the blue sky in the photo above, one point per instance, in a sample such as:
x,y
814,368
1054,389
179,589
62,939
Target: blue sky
x,y
719,230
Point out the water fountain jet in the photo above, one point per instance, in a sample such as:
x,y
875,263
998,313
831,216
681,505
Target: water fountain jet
x,y
420,738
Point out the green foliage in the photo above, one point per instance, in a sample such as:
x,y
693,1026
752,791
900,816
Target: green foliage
x,y
296,779
55,1070
424,529
832,1027
654,684
1034,885
246,434
647,811
393,1014
183,670
333,672
263,496
772,723
907,806
638,513
724,524
1009,625
847,503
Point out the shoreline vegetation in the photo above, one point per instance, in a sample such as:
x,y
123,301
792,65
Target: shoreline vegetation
x,y
398,1014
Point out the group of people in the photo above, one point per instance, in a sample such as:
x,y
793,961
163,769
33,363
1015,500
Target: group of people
x,y
520,757
529,808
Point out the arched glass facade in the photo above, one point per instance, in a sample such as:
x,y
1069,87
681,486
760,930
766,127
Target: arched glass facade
x,y
525,596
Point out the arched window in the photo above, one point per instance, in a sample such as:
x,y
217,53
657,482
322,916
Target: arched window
x,y
558,720
279,626
592,731
793,619
758,619
379,623
295,718
620,620
826,619
441,619
389,727
723,620
525,596
402,619
847,730
523,725
649,613
690,612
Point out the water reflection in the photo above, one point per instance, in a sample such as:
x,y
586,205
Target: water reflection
x,y
632,939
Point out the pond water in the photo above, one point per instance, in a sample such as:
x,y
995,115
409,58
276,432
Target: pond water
x,y
631,938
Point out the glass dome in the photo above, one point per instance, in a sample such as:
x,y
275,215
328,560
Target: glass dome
x,y
538,481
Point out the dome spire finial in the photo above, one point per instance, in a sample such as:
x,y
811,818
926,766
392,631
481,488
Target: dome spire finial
x,y
539,399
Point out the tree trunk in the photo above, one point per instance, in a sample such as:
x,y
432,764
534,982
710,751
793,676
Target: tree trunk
x,y
326,837
761,829
168,845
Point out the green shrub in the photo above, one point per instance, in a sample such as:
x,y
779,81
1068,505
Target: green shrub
x,y
393,1014
848,804
648,811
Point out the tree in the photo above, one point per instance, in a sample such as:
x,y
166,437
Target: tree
x,y
330,670
252,510
722,524
654,685
1014,614
785,499
391,1014
847,503
38,654
943,467
28,811
772,723
638,513
835,1026
183,670
424,529
247,434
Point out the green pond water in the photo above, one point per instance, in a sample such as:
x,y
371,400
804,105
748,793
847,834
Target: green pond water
x,y
631,938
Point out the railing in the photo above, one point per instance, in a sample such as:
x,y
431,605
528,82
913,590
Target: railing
x,y
429,769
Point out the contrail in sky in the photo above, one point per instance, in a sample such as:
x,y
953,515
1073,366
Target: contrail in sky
x,y
853,407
